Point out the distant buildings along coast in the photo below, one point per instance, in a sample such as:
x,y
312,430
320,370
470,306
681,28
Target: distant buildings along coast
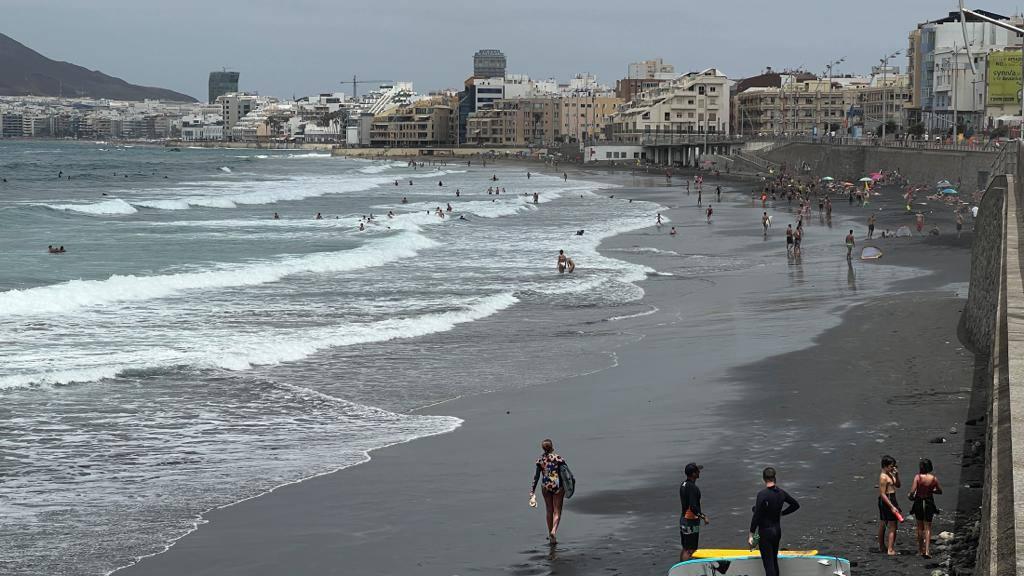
x,y
922,85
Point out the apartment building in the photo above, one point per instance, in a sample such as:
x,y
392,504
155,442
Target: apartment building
x,y
796,107
585,118
692,103
517,122
418,125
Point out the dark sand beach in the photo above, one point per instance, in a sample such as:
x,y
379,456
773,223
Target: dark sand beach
x,y
745,359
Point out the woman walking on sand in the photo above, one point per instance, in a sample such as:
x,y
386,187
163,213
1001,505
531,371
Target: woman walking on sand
x,y
921,492
549,471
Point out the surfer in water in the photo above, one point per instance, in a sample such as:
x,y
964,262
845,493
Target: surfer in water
x,y
548,471
771,505
562,258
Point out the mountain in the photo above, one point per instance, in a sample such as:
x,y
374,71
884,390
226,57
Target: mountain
x,y
24,71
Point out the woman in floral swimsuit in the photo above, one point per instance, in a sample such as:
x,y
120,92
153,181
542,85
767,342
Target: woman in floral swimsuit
x,y
551,486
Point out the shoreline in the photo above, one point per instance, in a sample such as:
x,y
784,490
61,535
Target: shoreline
x,y
482,407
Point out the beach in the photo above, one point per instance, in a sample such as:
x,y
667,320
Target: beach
x,y
736,358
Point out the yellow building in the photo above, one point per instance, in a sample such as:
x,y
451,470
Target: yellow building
x,y
584,117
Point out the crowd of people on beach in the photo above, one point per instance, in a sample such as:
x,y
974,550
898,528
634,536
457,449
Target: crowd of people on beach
x,y
799,193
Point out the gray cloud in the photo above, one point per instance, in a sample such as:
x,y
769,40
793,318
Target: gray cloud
x,y
283,47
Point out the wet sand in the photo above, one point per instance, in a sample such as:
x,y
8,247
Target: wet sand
x,y
748,359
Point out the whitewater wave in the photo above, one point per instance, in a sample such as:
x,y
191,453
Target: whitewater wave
x,y
78,294
243,193
268,348
105,208
376,168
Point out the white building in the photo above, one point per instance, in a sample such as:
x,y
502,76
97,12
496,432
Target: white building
x,y
197,128
697,102
234,106
651,70
937,59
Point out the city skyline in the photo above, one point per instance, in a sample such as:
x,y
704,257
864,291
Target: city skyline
x,y
313,46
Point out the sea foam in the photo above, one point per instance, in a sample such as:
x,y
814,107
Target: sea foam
x,y
77,294
242,352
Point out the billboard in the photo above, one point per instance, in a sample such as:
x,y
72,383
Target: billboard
x,y
1003,78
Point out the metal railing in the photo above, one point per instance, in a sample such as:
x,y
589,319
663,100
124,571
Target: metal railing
x,y
986,146
673,138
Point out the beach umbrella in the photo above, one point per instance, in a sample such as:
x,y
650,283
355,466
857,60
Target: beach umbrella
x,y
827,179
876,175
943,184
865,179
949,192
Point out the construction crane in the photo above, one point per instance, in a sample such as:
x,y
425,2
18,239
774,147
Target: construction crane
x,y
356,81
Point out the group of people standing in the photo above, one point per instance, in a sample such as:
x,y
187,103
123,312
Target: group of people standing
x,y
922,496
770,504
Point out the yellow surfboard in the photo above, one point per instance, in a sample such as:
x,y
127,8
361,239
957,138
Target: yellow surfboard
x,y
705,553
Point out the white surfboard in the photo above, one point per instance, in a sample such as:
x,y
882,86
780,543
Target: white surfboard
x,y
752,566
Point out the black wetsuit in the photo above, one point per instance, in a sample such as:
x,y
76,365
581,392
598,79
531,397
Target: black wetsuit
x,y
689,528
767,522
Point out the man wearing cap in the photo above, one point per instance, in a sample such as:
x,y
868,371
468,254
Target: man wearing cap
x,y
689,520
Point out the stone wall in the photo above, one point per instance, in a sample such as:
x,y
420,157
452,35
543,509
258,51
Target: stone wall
x,y
971,169
978,319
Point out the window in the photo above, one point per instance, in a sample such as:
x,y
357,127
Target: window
x,y
607,155
711,88
668,116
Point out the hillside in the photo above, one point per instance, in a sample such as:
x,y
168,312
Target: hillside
x,y
24,71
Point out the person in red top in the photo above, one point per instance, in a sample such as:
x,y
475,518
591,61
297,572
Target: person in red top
x,y
921,492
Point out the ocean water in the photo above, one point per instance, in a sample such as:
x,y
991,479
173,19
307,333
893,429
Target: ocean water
x,y
189,351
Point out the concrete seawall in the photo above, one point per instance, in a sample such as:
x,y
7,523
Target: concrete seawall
x,y
979,318
971,169
993,324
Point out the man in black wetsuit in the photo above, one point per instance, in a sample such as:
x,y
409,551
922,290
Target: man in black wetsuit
x,y
691,516
767,520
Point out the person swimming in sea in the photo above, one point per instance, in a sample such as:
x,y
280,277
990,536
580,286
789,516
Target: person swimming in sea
x,y
561,261
276,216
405,200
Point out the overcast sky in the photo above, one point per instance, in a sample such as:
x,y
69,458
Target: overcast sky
x,y
285,47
